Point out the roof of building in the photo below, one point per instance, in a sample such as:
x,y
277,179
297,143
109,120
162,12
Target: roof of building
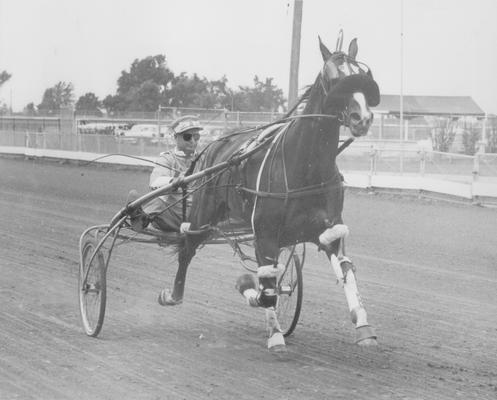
x,y
430,105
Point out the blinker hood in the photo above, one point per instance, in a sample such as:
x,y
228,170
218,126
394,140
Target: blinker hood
x,y
355,83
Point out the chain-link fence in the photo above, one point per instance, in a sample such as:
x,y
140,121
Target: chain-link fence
x,y
449,134
375,158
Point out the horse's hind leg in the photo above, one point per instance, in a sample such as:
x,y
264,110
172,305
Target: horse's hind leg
x,y
266,295
186,251
333,240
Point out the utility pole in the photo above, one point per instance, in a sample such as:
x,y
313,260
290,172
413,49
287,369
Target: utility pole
x,y
295,54
402,134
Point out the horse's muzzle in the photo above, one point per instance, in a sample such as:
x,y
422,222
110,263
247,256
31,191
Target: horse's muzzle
x,y
359,126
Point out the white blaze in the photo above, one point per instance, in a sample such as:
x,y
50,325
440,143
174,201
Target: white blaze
x,y
361,101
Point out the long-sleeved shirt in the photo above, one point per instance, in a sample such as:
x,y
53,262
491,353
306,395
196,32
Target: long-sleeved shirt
x,y
172,164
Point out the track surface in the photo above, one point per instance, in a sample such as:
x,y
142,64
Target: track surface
x,y
427,273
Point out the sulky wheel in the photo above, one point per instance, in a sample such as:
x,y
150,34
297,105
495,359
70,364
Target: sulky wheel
x,y
92,287
290,286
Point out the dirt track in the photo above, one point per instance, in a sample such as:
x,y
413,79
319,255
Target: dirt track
x,y
427,273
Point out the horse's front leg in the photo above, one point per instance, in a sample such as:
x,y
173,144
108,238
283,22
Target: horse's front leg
x,y
185,254
333,241
266,294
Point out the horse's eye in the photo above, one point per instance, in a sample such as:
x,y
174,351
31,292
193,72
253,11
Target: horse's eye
x,y
355,116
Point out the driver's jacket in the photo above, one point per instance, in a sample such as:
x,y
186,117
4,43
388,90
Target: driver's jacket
x,y
172,164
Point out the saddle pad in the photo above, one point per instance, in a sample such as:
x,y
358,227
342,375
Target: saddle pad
x,y
256,140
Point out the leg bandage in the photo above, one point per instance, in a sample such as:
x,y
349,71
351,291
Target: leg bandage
x,y
247,286
268,276
268,294
270,271
338,231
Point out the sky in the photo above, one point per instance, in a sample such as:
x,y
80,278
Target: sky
x,y
417,47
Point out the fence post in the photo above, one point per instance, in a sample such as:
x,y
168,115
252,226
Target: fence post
x,y
372,166
422,162
382,124
476,166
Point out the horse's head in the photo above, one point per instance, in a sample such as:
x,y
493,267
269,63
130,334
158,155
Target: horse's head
x,y
349,87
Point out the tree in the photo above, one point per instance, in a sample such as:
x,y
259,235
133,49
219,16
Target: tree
x,y
4,77
187,91
492,134
264,96
30,110
89,104
145,97
143,88
444,134
198,92
149,83
56,97
470,137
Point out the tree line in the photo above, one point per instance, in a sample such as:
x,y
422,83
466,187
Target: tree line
x,y
150,83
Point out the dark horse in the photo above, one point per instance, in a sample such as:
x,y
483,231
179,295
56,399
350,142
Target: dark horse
x,y
291,191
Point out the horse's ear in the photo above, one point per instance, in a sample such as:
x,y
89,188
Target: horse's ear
x,y
353,49
324,50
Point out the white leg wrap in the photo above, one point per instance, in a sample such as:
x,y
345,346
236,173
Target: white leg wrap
x,y
359,317
270,271
251,297
338,231
272,323
337,269
185,227
275,341
357,311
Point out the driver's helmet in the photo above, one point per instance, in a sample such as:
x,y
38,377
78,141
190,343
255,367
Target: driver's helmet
x,y
186,123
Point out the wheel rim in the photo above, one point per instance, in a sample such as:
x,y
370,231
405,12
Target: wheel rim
x,y
290,291
92,290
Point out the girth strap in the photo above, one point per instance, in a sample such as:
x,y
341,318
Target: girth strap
x,y
294,193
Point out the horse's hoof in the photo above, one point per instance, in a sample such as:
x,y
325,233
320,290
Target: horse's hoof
x,y
368,342
276,343
278,349
166,299
366,336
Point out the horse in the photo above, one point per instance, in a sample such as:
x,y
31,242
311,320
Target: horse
x,y
289,192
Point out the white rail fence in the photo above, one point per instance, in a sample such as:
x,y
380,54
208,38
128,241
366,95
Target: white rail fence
x,y
367,164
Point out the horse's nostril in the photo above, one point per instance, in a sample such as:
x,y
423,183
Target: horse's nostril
x,y
355,117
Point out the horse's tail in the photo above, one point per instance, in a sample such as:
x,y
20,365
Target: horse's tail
x,y
175,244
186,243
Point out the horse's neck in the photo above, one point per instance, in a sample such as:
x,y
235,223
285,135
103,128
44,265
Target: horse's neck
x,y
314,142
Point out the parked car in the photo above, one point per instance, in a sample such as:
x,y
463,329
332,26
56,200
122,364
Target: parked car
x,y
149,132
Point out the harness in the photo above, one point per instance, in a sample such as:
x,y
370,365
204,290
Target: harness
x,y
279,135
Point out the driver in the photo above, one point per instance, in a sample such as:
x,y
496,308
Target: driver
x,y
166,212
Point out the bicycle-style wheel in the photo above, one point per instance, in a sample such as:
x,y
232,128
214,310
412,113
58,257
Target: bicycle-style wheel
x,y
290,287
92,288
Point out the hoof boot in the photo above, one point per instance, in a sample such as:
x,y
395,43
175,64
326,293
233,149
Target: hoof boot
x,y
166,299
276,343
366,336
